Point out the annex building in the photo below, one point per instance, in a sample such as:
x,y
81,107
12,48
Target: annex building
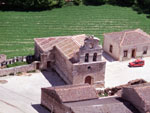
x,y
84,99
77,59
127,44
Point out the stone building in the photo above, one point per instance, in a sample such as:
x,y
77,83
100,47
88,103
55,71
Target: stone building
x,y
77,59
2,58
127,44
82,99
138,95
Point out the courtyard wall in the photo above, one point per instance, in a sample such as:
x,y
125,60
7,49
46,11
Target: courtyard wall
x,y
18,69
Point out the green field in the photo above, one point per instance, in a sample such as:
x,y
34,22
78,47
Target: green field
x,y
17,29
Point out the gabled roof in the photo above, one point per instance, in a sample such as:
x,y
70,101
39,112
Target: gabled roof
x,y
69,45
129,37
70,93
138,95
104,105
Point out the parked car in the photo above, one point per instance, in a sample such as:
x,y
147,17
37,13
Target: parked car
x,y
137,63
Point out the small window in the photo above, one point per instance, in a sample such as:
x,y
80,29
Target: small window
x,y
86,57
95,57
125,53
89,67
111,48
145,50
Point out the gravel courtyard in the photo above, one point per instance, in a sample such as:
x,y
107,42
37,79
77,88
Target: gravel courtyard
x,y
118,73
22,94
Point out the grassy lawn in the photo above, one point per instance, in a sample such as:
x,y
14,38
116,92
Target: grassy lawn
x,y
16,64
17,29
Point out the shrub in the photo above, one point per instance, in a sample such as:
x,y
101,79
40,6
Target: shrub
x,y
144,5
16,64
32,4
32,71
122,2
77,2
11,74
94,2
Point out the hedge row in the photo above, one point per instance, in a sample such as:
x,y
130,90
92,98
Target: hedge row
x,y
140,5
143,5
30,4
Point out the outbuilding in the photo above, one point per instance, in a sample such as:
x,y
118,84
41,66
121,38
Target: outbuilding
x,y
127,44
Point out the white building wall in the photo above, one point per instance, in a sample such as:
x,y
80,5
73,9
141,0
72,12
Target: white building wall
x,y
139,51
115,51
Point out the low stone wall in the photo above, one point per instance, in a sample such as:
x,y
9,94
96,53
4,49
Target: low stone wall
x,y
118,89
13,60
18,69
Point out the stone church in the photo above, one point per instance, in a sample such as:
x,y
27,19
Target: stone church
x,y
77,59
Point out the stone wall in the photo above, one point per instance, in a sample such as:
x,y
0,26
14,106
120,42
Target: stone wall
x,y
51,101
18,69
63,66
13,60
96,70
2,58
115,48
139,48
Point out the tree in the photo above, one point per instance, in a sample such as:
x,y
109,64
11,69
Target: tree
x,y
144,5
94,2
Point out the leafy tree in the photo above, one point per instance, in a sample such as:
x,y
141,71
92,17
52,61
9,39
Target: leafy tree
x,y
77,2
33,4
122,2
144,5
94,2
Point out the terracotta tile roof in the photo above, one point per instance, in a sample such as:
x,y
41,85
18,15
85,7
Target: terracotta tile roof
x,y
129,37
138,95
69,45
106,105
70,93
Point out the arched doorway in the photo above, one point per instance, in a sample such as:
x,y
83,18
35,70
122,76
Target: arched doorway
x,y
88,80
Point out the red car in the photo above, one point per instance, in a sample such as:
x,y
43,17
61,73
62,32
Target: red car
x,y
137,63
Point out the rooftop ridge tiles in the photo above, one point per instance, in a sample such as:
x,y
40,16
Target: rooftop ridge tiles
x,y
75,41
123,37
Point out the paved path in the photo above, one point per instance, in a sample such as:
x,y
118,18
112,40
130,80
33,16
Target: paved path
x,y
22,94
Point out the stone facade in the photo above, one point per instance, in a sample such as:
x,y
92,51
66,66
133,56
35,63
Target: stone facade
x,y
77,59
127,44
4,62
138,95
82,99
18,69
2,58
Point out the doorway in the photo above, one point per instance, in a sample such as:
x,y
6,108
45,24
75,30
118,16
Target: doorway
x,y
88,80
48,64
38,66
133,55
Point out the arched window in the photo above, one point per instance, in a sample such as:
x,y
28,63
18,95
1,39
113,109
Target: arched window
x,y
88,80
86,57
95,57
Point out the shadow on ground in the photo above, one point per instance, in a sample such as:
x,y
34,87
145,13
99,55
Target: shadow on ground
x,y
53,78
108,57
40,109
